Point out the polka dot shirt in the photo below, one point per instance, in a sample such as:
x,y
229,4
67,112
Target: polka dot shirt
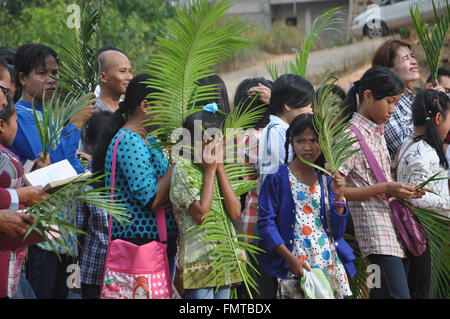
x,y
311,243
138,169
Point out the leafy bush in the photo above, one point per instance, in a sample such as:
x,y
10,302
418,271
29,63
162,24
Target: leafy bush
x,y
129,27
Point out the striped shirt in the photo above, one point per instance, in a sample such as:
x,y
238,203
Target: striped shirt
x,y
372,219
400,126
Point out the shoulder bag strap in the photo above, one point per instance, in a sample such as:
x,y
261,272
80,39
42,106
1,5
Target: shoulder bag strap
x,y
160,213
369,155
113,181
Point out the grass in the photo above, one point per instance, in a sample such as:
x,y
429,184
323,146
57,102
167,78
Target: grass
x,y
280,40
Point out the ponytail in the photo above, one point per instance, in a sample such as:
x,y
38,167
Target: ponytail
x,y
381,81
286,145
426,105
106,134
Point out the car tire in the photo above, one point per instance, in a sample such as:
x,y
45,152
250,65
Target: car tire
x,y
382,31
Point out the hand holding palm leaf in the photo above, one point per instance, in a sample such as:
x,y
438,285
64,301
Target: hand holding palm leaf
x,y
47,213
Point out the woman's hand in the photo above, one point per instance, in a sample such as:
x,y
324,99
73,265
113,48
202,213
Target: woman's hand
x,y
338,185
13,223
84,156
263,91
209,158
31,195
401,190
40,162
85,113
297,265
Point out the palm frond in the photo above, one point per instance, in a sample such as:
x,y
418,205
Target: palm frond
x,y
187,52
78,51
331,124
324,22
47,212
358,283
434,44
56,115
436,227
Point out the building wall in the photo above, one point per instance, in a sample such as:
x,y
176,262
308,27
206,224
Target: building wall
x,y
307,11
255,11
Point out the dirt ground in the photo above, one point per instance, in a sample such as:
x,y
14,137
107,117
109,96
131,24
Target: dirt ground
x,y
319,61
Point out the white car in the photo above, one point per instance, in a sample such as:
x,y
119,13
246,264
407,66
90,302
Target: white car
x,y
391,15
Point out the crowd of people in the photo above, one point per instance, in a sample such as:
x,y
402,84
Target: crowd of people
x,y
297,214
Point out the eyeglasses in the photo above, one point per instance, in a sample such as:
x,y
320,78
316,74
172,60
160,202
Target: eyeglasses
x,y
5,90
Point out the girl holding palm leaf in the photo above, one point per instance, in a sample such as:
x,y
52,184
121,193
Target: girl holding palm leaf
x,y
421,157
373,99
191,204
292,215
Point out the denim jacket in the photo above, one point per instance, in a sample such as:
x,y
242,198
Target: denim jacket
x,y
276,223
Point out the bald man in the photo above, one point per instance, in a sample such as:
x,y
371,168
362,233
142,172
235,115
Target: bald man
x,y
115,73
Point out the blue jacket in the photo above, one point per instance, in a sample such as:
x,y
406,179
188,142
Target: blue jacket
x,y
276,223
27,144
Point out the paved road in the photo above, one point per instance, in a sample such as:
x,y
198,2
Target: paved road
x,y
318,62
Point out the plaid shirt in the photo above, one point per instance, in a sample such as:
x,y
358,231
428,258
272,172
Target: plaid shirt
x,y
95,222
400,126
250,212
374,229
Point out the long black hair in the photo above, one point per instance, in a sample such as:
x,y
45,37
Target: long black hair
x,y
381,81
242,100
291,90
136,92
426,105
300,124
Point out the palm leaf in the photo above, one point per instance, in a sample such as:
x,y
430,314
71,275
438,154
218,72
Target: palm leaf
x,y
436,227
57,113
331,125
47,212
78,51
432,45
358,283
324,22
187,52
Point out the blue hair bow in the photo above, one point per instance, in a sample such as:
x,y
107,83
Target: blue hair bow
x,y
211,107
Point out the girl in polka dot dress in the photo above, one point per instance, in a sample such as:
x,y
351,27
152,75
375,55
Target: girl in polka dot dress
x,y
292,219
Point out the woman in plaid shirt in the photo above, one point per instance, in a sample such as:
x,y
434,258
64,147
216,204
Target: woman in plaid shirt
x,y
373,99
398,57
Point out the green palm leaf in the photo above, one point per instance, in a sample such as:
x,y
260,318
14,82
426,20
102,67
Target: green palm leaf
x,y
192,45
47,212
188,51
433,44
324,22
436,227
358,283
78,51
55,117
331,124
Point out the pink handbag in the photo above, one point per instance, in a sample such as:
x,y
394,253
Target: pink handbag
x,y
410,229
136,272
